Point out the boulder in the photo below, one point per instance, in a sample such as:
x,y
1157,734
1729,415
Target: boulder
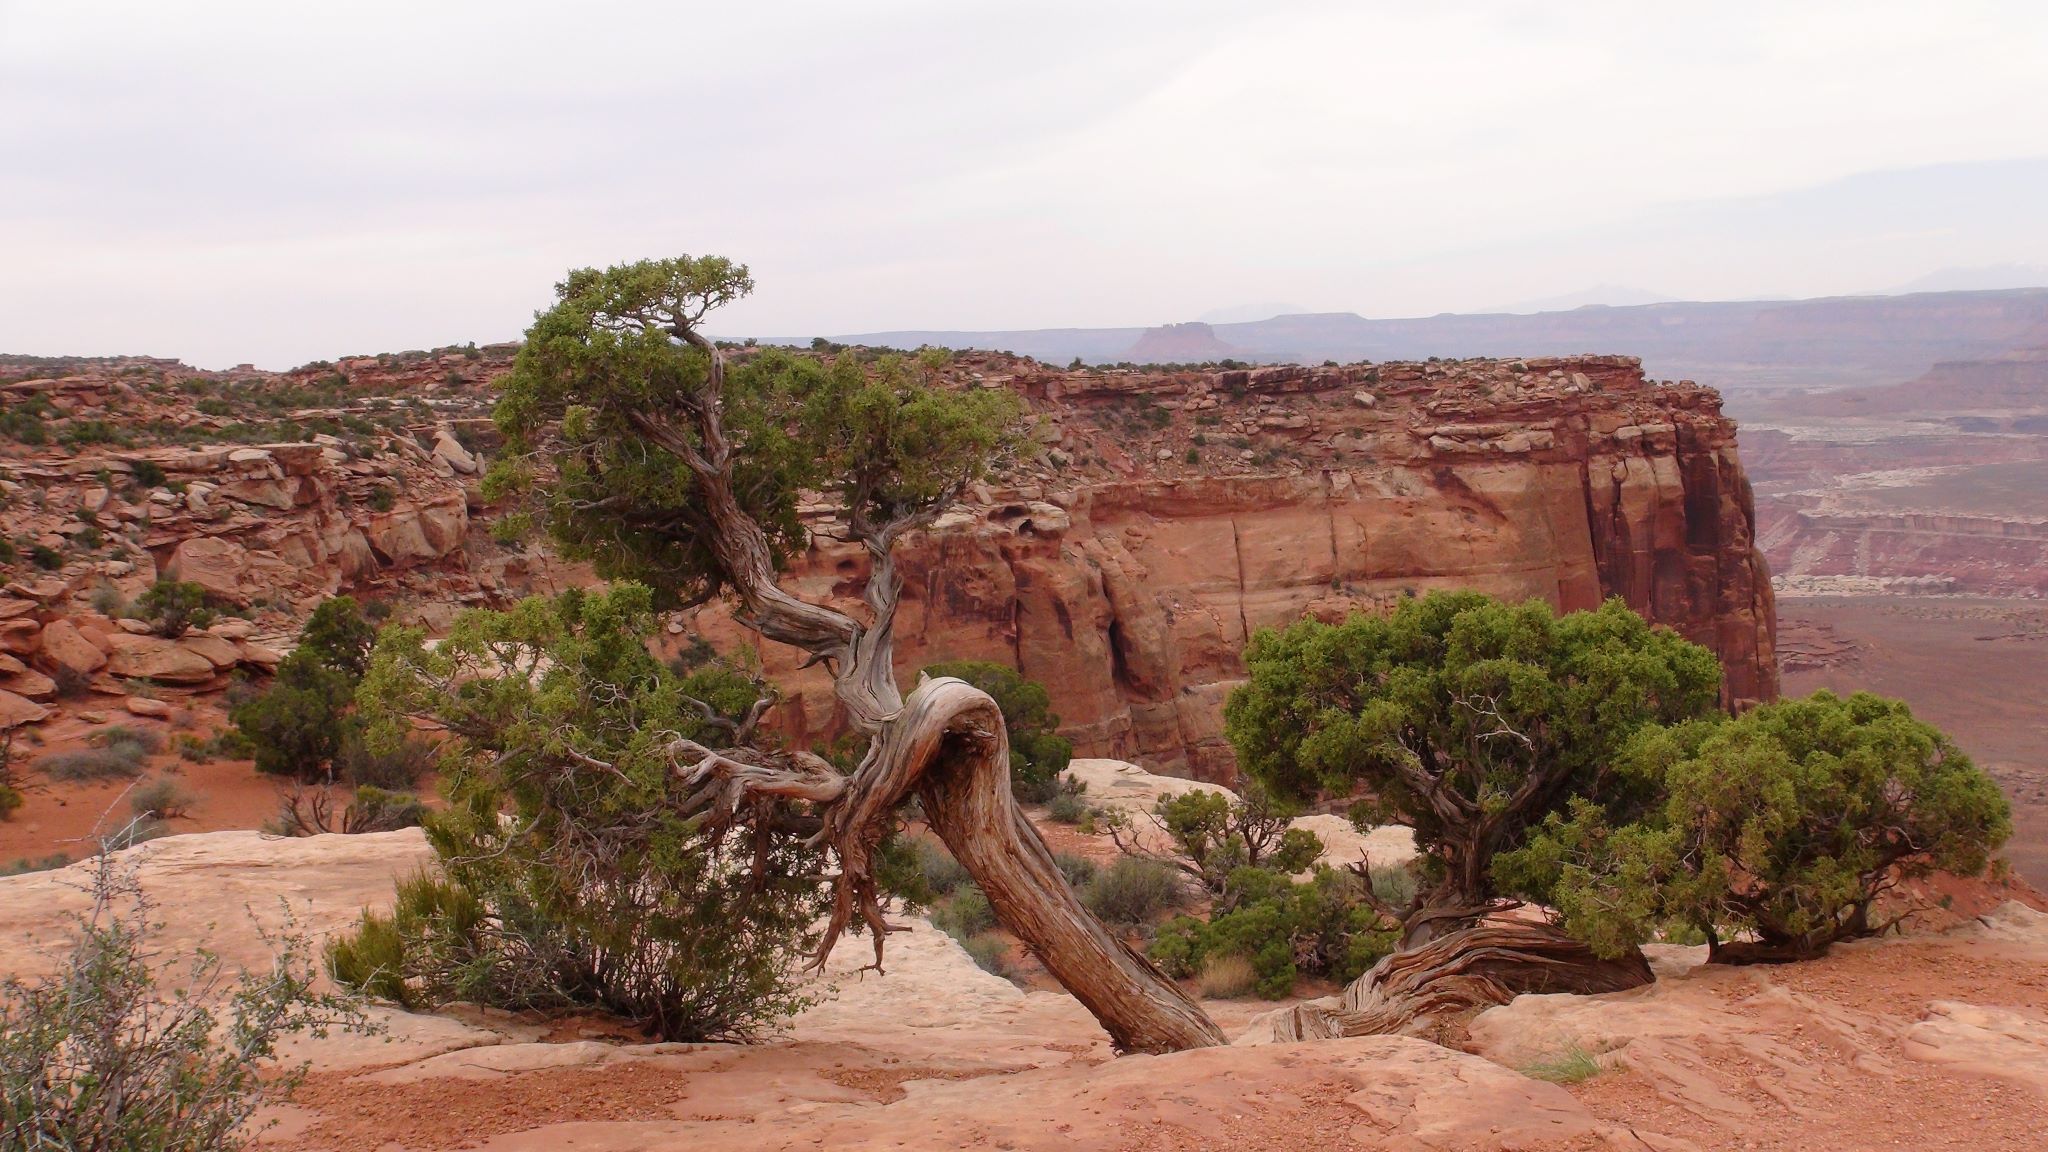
x,y
259,656
65,648
144,706
20,636
219,652
29,683
155,658
211,562
16,711
449,449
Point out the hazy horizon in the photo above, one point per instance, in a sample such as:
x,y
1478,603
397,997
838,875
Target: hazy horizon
x,y
243,182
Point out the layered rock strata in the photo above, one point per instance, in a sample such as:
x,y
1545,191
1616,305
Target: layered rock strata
x,y
1131,593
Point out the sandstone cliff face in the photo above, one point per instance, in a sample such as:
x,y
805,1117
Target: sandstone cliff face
x,y
1131,594
1152,523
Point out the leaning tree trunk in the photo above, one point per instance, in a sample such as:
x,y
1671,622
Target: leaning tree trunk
x,y
949,746
1487,963
946,744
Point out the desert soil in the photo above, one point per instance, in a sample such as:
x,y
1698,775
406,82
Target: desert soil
x,y
1935,1039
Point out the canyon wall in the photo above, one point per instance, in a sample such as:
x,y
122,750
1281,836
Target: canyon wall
x,y
131,478
1148,524
1164,518
1939,484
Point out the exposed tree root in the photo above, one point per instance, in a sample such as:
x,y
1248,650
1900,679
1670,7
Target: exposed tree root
x,y
1488,963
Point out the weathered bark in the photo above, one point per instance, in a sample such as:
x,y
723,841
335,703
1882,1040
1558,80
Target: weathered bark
x,y
950,743
947,744
1488,963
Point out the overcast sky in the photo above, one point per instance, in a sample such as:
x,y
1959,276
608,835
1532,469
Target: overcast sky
x,y
280,182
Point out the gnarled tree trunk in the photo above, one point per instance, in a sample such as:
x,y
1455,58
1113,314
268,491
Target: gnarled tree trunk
x,y
1478,966
946,744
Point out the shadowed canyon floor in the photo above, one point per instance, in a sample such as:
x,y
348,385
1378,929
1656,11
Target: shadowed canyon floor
x,y
1934,1038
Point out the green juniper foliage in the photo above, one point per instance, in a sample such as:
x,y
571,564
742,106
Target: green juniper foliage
x,y
300,723
604,384
1322,927
571,874
1775,833
1465,718
174,606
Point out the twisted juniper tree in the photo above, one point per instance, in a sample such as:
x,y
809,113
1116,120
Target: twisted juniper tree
x,y
682,471
1470,721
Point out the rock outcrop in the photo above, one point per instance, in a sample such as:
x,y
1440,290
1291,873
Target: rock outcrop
x,y
1935,1037
1151,522
144,470
1165,517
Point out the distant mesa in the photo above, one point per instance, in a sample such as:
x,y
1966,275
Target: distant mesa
x,y
1986,278
1598,296
1191,343
1247,313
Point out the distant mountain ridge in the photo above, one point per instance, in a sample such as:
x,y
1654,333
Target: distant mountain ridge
x,y
1830,341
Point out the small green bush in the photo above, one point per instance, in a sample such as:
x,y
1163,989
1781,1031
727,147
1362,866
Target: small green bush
x,y
990,953
1281,929
119,762
1217,833
1067,808
108,601
377,810
146,474
145,741
942,873
46,557
10,801
1132,892
966,913
79,433
98,1056
159,799
174,607
1078,870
